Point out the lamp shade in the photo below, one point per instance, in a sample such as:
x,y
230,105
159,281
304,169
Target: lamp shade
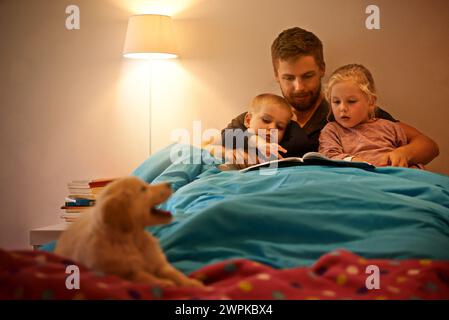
x,y
150,36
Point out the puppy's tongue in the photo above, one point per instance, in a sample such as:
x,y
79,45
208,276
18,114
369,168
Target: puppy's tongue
x,y
160,212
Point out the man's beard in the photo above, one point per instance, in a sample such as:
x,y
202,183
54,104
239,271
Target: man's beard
x,y
307,105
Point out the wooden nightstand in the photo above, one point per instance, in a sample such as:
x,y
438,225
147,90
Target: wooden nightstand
x,y
40,236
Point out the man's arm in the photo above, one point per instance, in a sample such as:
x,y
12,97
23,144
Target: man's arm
x,y
420,148
237,123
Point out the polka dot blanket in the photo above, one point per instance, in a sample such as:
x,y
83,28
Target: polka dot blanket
x,y
336,275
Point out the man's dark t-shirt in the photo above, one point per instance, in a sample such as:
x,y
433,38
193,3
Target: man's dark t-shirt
x,y
297,140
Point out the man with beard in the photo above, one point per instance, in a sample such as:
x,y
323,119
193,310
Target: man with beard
x,y
298,62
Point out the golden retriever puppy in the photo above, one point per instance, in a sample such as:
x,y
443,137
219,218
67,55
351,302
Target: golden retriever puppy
x,y
111,238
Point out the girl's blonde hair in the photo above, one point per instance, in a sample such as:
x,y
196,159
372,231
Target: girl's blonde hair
x,y
360,75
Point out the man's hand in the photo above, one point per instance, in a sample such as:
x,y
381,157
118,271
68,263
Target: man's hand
x,y
395,158
420,148
398,158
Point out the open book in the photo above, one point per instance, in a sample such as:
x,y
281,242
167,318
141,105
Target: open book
x,y
310,158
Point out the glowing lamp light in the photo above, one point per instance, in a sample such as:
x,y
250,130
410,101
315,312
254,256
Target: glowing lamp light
x,y
150,36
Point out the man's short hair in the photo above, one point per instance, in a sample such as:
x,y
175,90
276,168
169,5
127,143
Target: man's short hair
x,y
295,42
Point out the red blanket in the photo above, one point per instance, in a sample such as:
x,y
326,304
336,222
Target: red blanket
x,y
336,275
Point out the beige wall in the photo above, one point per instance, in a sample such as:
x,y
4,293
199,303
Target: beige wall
x,y
71,107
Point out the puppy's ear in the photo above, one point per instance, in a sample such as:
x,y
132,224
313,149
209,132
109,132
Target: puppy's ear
x,y
115,212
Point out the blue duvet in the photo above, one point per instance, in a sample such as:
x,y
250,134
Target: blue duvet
x,y
292,217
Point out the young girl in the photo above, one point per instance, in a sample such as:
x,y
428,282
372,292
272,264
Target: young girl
x,y
356,135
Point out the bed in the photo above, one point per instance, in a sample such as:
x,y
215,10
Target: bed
x,y
301,232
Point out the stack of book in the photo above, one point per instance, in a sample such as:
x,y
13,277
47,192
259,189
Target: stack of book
x,y
82,196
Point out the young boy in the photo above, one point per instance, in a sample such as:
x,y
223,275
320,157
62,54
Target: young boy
x,y
265,122
268,116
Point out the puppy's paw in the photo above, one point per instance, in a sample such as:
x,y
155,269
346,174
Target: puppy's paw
x,y
163,283
193,283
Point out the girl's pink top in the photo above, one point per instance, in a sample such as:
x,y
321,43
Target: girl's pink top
x,y
368,140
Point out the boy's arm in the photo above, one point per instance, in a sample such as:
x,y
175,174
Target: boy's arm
x,y
419,150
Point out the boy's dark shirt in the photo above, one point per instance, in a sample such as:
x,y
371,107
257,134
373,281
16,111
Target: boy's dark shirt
x,y
297,140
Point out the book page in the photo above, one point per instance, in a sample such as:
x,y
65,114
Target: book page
x,y
273,163
315,155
